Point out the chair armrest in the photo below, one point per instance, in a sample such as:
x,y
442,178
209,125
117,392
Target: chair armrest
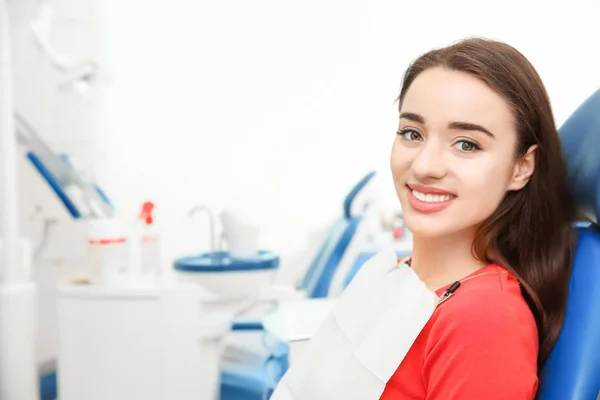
x,y
272,294
247,326
277,293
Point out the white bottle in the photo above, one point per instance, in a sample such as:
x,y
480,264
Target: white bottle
x,y
107,252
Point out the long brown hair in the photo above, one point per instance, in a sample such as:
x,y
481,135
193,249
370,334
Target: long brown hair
x,y
530,233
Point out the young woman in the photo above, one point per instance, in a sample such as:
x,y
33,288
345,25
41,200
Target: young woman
x,y
478,169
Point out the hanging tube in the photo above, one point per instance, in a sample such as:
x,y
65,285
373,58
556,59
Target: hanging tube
x,y
8,160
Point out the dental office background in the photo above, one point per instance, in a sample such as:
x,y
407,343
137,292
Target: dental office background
x,y
271,108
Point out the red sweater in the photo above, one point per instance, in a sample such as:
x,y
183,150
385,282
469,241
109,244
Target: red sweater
x,y
480,344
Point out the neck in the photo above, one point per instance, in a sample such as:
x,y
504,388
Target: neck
x,y
443,260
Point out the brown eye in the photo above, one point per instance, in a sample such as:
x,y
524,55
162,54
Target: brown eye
x,y
467,146
411,135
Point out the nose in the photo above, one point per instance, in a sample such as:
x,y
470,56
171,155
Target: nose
x,y
430,162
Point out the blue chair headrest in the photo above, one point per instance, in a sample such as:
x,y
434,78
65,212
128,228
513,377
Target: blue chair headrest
x,y
351,197
572,371
580,137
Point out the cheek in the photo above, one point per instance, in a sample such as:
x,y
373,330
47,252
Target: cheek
x,y
400,160
484,185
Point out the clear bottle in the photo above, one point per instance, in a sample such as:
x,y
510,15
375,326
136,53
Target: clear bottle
x,y
150,245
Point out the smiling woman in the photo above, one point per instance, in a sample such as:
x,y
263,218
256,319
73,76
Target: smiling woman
x,y
475,311
478,169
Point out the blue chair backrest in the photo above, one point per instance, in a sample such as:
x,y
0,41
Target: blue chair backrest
x,y
332,262
319,263
572,371
353,194
318,277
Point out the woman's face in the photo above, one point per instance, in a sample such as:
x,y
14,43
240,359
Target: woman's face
x,y
453,158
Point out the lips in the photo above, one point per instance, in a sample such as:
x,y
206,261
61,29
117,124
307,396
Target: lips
x,y
427,199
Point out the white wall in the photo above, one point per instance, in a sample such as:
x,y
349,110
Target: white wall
x,y
274,108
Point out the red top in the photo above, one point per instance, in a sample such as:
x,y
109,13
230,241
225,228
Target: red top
x,y
482,343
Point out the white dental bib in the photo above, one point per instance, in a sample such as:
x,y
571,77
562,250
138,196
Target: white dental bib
x,y
361,343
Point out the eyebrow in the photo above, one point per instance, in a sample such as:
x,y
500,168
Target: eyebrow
x,y
463,126
412,117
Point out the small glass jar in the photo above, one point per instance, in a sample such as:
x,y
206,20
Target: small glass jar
x,y
107,252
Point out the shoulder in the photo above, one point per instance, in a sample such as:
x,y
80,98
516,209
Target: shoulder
x,y
488,304
489,334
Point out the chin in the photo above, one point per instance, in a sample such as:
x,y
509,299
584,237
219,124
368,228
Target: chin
x,y
426,231
424,227
429,225
439,225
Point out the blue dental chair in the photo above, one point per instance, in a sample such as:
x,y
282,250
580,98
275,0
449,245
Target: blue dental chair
x,y
573,370
256,380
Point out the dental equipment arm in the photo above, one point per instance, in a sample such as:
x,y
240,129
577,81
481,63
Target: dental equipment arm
x,y
81,198
41,27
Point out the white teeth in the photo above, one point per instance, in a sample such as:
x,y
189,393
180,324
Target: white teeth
x,y
432,198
